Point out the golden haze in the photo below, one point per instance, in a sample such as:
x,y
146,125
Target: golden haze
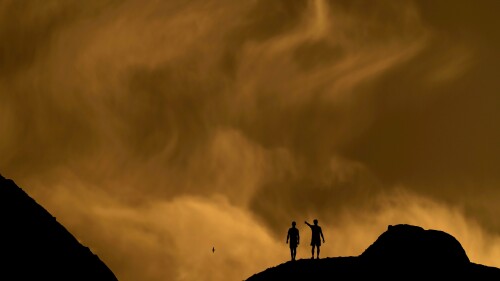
x,y
155,130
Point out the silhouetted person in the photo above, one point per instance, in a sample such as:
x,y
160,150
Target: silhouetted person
x,y
315,238
294,237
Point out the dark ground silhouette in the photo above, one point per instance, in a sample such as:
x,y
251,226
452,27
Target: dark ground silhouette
x,y
403,252
34,246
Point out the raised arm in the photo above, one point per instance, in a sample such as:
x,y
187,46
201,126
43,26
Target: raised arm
x,y
308,224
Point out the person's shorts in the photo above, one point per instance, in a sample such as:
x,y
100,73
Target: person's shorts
x,y
316,242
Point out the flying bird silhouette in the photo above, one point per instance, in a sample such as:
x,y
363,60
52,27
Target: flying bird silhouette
x,y
213,249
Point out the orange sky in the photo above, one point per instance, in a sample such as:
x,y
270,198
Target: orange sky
x,y
154,130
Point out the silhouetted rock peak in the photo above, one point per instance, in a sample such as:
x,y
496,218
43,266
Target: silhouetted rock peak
x,y
407,244
34,246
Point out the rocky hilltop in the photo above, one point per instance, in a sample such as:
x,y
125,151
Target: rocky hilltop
x,y
403,252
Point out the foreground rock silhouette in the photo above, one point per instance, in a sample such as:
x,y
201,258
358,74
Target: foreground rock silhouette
x,y
34,246
403,252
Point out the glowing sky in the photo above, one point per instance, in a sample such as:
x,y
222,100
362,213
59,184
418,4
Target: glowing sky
x,y
155,130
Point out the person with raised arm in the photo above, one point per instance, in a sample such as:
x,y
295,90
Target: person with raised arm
x,y
317,235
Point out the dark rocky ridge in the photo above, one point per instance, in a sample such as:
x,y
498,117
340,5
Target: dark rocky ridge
x,y
407,244
34,246
403,252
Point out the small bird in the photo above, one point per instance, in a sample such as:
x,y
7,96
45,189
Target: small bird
x,y
213,249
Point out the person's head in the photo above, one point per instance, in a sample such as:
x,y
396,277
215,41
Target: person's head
x,y
315,221
293,223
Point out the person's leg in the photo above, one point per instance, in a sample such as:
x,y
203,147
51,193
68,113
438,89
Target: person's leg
x,y
312,252
294,252
317,252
